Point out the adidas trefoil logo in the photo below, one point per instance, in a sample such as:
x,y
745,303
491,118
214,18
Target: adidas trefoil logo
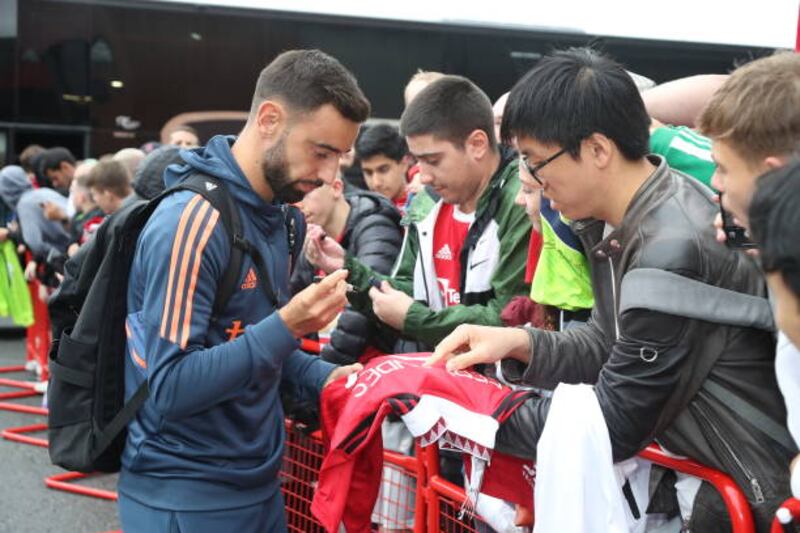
x,y
444,253
210,186
250,280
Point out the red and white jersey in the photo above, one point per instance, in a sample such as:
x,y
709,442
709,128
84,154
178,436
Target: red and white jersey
x,y
460,410
449,235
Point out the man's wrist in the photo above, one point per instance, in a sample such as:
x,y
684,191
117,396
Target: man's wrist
x,y
522,346
284,315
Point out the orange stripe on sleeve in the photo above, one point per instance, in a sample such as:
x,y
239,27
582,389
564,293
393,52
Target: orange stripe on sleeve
x,y
198,253
187,251
138,360
176,248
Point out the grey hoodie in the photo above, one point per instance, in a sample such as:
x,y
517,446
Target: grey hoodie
x,y
38,234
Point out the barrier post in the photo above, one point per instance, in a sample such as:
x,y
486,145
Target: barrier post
x,y
792,507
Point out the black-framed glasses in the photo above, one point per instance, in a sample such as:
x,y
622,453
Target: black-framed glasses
x,y
534,170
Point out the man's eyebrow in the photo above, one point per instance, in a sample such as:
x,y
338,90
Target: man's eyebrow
x,y
330,148
426,154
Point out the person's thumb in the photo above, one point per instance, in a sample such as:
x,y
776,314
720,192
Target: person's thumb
x,y
330,281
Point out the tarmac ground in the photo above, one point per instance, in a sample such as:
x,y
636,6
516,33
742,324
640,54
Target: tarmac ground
x,y
26,504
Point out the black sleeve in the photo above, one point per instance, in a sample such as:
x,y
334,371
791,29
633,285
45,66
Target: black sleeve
x,y
633,387
639,378
375,243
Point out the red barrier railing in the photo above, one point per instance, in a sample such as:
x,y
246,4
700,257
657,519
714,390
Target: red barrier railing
x,y
27,386
791,508
397,506
444,501
732,495
64,482
21,408
19,434
38,333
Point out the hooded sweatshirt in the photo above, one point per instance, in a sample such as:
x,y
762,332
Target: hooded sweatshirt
x,y
210,435
39,234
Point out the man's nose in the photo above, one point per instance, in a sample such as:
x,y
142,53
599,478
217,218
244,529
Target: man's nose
x,y
328,170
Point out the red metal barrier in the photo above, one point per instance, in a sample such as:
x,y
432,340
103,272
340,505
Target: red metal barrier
x,y
307,345
12,395
793,506
732,495
302,459
38,333
19,434
15,383
445,500
300,474
64,483
401,498
21,408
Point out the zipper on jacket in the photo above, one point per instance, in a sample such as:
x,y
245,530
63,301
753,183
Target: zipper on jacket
x,y
422,267
614,296
755,486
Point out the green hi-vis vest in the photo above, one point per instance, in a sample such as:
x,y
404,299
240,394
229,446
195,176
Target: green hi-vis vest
x,y
15,298
562,273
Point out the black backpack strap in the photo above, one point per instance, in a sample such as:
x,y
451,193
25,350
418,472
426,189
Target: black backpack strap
x,y
215,191
295,233
121,420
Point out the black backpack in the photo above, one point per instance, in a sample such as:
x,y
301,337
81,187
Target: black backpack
x,y
88,414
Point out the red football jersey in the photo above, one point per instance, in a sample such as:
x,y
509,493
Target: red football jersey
x,y
460,409
449,235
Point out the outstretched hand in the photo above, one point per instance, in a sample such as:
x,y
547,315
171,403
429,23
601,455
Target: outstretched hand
x,y
470,345
390,305
315,306
342,371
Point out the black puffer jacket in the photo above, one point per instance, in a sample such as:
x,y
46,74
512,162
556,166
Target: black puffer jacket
x,y
373,235
664,350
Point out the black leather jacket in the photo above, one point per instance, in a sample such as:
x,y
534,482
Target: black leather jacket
x,y
373,235
650,367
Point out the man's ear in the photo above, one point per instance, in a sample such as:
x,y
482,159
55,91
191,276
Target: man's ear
x,y
270,118
772,162
599,149
477,144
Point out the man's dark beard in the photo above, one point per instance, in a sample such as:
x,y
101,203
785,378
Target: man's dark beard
x,y
276,173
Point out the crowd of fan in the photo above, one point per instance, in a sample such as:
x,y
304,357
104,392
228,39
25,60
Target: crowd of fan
x,y
508,189
52,202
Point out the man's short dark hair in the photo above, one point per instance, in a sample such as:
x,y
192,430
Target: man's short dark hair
x,y
29,157
381,139
309,79
450,108
571,94
110,176
52,158
774,222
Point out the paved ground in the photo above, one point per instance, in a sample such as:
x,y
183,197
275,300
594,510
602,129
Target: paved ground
x,y
26,505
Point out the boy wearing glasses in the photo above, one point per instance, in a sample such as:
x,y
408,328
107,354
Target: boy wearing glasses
x,y
678,346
